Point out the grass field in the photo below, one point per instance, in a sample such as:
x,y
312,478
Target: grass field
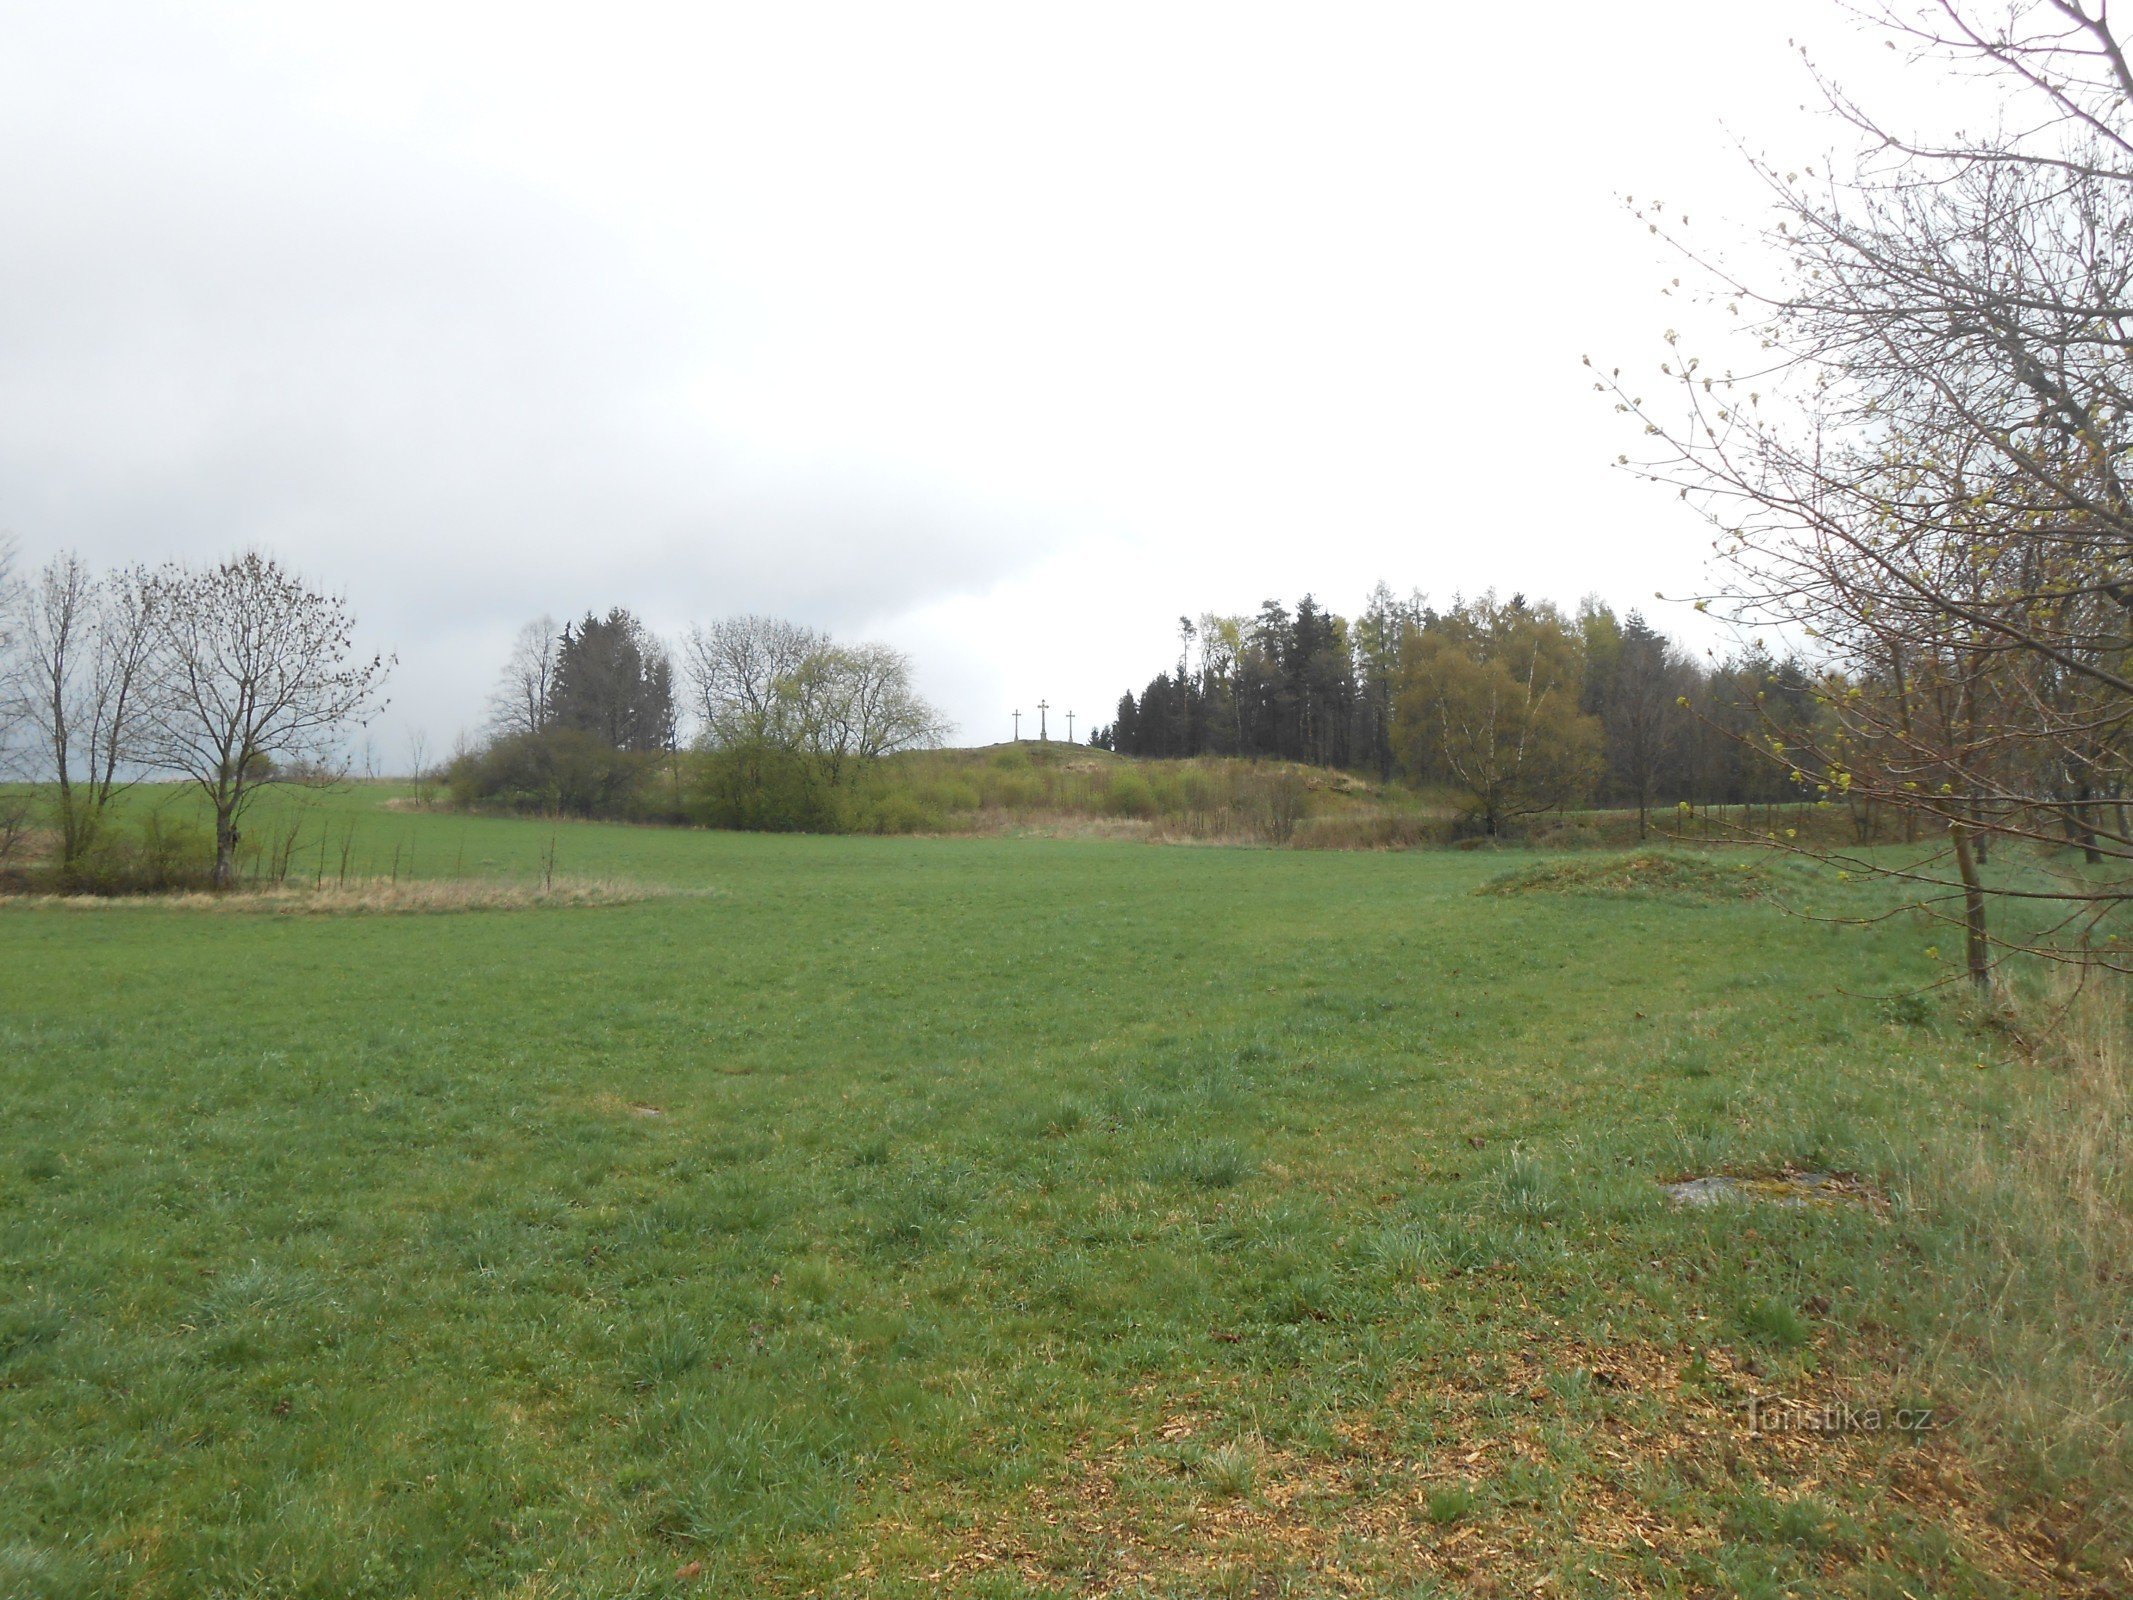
x,y
999,1217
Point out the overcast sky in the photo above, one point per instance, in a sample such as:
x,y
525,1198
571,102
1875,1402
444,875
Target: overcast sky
x,y
1005,333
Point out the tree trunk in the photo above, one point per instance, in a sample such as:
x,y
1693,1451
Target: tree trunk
x,y
73,825
225,847
1975,950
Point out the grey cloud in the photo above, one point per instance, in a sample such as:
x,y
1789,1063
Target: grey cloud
x,y
225,321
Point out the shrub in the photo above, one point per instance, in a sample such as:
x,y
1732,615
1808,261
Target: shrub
x,y
1283,800
761,787
1129,796
163,854
17,807
1369,830
1197,790
893,812
949,795
1015,790
563,772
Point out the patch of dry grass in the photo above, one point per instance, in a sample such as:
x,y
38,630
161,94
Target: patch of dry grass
x,y
2035,1334
1671,875
1636,1476
1372,829
366,896
21,841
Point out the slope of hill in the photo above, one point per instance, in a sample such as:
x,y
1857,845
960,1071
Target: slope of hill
x,y
1032,786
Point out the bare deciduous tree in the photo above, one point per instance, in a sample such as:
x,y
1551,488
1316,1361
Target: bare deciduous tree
x,y
1925,474
78,678
419,772
11,709
521,699
257,682
747,678
15,799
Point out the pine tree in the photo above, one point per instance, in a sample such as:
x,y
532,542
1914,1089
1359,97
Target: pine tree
x,y
614,681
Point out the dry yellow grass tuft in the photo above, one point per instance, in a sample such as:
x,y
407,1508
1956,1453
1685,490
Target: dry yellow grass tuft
x,y
367,896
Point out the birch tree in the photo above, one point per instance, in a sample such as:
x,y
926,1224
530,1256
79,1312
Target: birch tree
x,y
1488,706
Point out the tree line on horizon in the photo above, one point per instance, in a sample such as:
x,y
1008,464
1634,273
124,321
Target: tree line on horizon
x,y
1516,704
784,719
238,675
759,723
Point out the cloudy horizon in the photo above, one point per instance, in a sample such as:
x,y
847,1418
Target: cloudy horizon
x,y
1003,336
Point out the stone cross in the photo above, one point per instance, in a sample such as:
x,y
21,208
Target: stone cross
x,y
1070,727
1018,727
1042,732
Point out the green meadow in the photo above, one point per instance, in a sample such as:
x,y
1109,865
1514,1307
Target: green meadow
x,y
1012,1216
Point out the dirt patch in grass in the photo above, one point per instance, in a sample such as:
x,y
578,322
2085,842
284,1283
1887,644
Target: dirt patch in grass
x,y
1637,1462
369,896
1674,876
1789,1187
1676,1453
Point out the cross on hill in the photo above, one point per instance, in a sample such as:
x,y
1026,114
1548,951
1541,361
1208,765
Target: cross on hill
x,y
1042,732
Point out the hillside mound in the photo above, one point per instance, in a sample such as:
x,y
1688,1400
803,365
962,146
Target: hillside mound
x,y
1643,874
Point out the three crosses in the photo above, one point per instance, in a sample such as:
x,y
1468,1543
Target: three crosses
x,y
1043,729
